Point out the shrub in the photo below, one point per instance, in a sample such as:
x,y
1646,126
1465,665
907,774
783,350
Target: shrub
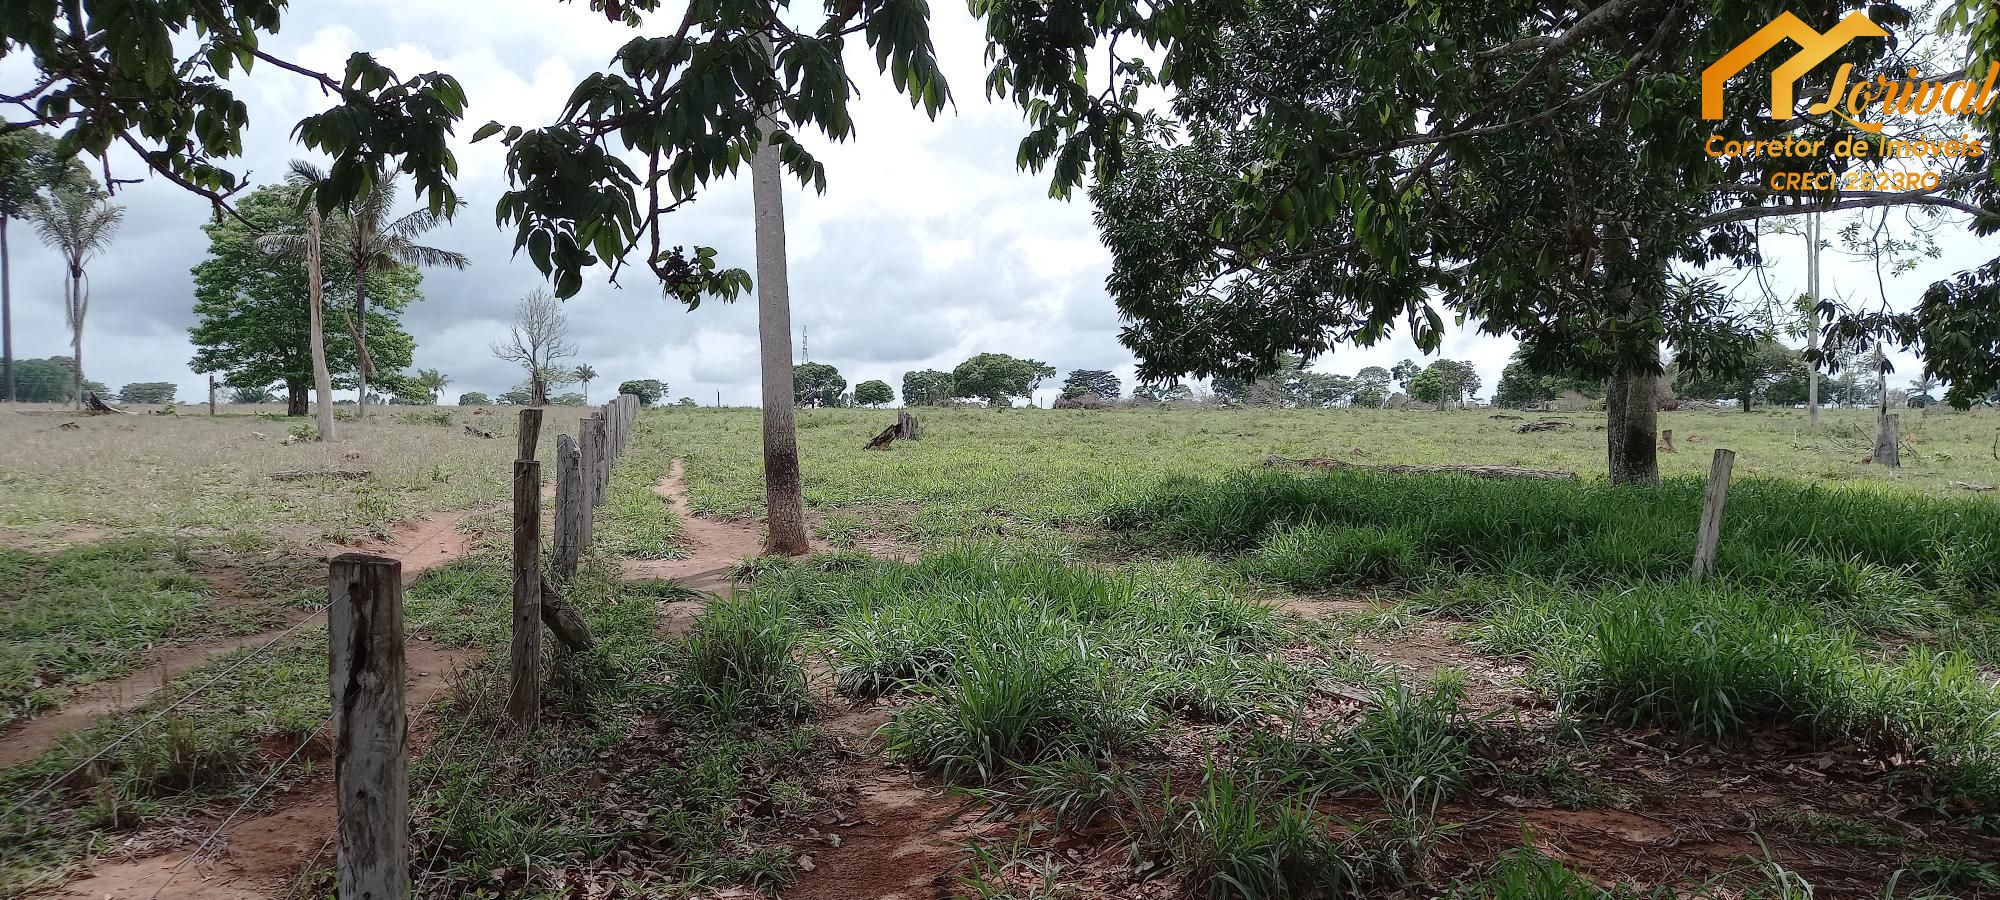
x,y
742,657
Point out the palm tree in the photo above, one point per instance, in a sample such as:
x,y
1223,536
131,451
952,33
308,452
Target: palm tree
x,y
585,373
433,382
306,177
784,498
77,224
29,166
368,240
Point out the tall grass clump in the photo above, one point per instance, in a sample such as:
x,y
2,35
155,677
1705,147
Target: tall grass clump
x,y
1586,530
743,659
1313,556
1413,748
1239,840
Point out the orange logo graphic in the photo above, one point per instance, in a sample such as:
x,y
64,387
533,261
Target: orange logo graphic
x,y
1816,49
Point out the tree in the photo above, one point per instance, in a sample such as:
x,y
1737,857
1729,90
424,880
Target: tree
x,y
31,165
1748,378
1404,372
928,387
997,378
686,401
1431,386
518,395
817,384
1290,198
538,338
51,380
1371,387
474,398
76,223
570,398
432,382
648,390
873,392
369,237
1161,394
153,393
583,375
253,305
1312,390
308,244
1091,381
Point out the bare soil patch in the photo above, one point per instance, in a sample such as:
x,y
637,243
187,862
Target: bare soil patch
x,y
715,546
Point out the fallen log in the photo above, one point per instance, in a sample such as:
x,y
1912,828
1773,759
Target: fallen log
x,y
1544,425
1976,488
1399,469
95,405
475,432
1504,416
887,437
310,474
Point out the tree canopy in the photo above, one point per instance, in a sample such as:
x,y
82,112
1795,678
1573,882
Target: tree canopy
x,y
148,392
874,392
1091,381
997,378
817,384
927,387
648,390
252,321
1330,172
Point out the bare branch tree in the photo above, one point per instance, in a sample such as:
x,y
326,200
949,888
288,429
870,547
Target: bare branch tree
x,y
539,337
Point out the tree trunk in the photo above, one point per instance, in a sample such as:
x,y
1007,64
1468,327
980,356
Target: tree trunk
x,y
315,297
783,494
295,398
1812,318
6,317
361,361
76,310
1631,429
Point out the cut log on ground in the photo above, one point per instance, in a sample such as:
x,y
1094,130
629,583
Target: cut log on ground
x,y
887,437
478,433
330,474
1544,425
1474,471
95,405
1504,416
1977,488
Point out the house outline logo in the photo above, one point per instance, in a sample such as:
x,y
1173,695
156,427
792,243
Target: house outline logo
x,y
1815,47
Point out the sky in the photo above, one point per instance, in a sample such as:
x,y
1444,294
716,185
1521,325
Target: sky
x,y
927,247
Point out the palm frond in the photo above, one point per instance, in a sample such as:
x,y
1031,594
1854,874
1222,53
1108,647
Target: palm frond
x,y
419,255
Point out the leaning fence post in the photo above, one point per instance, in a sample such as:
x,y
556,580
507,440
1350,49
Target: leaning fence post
x,y
524,704
371,765
531,433
1710,537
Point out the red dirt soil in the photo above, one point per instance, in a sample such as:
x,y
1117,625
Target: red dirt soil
x,y
715,546
262,856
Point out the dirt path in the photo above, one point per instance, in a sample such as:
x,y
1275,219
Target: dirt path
x,y
262,856
715,546
421,544
909,837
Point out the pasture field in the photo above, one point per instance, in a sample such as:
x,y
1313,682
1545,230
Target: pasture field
x,y
1040,654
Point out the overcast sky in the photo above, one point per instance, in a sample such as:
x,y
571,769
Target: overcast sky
x,y
927,247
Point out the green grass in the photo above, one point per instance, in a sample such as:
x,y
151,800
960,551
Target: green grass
x,y
76,616
214,748
1034,475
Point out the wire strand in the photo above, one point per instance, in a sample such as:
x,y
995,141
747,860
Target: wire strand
x,y
240,807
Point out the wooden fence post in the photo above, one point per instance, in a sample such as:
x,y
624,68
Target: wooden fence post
x,y
524,704
1709,539
531,433
211,395
371,736
1888,441
586,466
570,508
600,464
